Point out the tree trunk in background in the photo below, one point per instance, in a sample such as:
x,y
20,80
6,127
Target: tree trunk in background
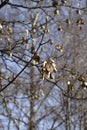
x,y
67,122
32,124
0,79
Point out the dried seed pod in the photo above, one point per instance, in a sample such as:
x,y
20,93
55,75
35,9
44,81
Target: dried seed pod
x,y
80,22
81,78
35,19
64,1
26,32
78,12
53,64
34,30
32,51
46,31
70,86
48,67
51,41
69,82
46,74
84,85
26,43
1,26
59,28
43,27
9,30
56,11
37,97
15,102
55,3
36,59
47,17
59,48
10,53
68,21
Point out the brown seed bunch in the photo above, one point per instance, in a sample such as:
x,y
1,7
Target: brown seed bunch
x,y
51,41
64,1
59,48
56,11
78,12
36,59
70,86
68,21
80,22
48,67
46,31
55,3
59,28
81,78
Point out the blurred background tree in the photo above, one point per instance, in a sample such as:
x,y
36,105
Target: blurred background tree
x,y
43,64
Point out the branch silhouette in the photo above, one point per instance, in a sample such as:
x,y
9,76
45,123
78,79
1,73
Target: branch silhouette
x,y
4,3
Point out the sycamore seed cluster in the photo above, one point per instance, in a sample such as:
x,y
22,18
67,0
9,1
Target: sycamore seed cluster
x,y
48,67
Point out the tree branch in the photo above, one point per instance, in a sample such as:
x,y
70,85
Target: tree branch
x,y
4,3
